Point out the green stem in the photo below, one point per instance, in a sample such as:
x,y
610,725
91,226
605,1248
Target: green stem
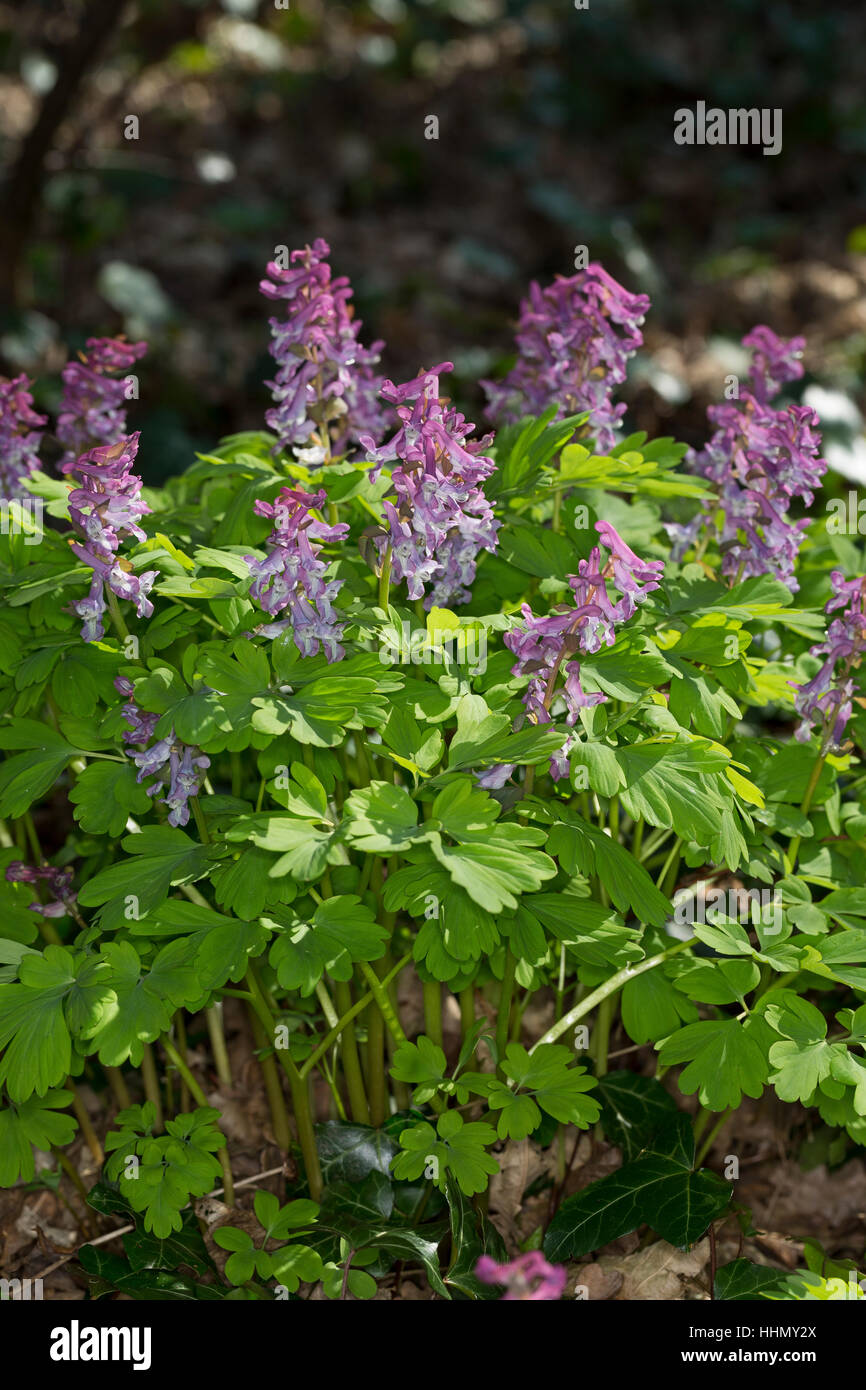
x,y
609,987
380,994
350,1058
794,846
220,1051
433,1011
467,1013
200,1098
601,1038
503,1019
88,1132
376,1089
385,580
271,1078
151,1083
119,1089
362,1003
300,1094
711,1138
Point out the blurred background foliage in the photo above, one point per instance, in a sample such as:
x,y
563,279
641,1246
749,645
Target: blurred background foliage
x,y
261,125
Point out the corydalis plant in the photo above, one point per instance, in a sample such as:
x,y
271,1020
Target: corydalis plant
x,y
20,437
105,509
93,409
574,340
293,575
325,388
828,698
761,459
547,647
441,519
169,760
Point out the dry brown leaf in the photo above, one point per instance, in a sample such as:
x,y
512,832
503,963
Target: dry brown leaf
x,y
660,1272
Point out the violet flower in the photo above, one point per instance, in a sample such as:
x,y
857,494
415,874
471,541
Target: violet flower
x,y
20,436
105,509
441,519
828,698
528,1278
761,459
293,575
168,760
325,389
178,764
544,646
58,881
93,409
574,340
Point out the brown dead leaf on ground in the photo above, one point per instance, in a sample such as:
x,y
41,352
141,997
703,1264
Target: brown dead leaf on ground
x,y
519,1165
659,1272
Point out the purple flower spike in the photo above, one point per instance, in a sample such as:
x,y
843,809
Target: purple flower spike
x,y
441,520
528,1278
544,646
58,881
168,760
20,436
105,509
828,698
325,389
293,575
93,409
760,459
574,341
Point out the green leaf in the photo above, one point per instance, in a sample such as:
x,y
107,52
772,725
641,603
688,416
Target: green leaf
x,y
633,1109
743,1281
454,1147
725,1062
105,795
27,776
660,1187
541,1078
343,930
420,1064
652,1008
381,818
582,848
58,993
160,857
32,1123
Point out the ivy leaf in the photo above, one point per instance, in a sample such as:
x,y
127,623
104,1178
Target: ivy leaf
x,y
28,1124
725,1062
659,1188
633,1109
743,1281
349,1152
105,795
453,1147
